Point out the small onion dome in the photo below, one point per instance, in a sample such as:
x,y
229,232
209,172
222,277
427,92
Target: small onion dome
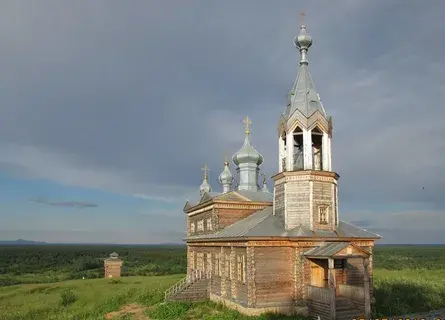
x,y
205,187
226,177
303,40
247,154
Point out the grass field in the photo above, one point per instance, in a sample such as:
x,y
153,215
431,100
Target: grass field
x,y
407,279
94,299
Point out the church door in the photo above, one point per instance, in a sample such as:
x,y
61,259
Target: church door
x,y
317,276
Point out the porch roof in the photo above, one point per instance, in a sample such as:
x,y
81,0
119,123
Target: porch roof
x,y
331,250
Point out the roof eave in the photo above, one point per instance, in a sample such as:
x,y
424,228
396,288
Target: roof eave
x,y
278,238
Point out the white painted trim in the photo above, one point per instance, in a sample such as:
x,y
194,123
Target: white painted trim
x,y
311,204
200,210
285,207
336,203
330,153
290,150
307,149
325,152
333,202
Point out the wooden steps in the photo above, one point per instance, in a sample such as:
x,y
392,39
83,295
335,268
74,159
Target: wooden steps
x,y
196,291
346,310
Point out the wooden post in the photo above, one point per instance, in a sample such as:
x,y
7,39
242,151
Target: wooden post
x,y
366,288
332,286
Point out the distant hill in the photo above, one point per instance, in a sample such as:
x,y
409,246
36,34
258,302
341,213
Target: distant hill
x,y
21,242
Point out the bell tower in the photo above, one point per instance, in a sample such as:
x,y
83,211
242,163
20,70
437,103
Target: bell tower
x,y
305,191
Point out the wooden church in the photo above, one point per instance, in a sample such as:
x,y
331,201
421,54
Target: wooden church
x,y
284,251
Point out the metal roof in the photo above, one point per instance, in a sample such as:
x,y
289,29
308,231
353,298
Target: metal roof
x,y
327,249
264,224
236,195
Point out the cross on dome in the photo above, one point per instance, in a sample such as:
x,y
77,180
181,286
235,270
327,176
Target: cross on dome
x,y
205,169
247,122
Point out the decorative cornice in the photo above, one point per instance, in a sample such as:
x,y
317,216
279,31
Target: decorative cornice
x,y
302,175
277,242
298,119
242,206
190,214
230,205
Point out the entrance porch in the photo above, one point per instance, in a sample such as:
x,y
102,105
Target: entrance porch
x,y
340,281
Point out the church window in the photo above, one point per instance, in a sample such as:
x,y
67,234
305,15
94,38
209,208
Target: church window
x,y
228,267
209,262
201,225
209,224
200,261
192,227
323,214
217,267
240,268
192,257
298,163
317,157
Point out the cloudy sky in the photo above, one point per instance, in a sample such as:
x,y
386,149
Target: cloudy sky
x,y
109,110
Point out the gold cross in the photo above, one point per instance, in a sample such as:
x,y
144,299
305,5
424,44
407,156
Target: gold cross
x,y
302,15
247,122
205,169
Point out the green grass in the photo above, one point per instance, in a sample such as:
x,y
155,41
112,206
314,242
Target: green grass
x,y
396,291
407,279
399,292
205,311
80,299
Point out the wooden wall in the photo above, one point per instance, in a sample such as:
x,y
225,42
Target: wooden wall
x,y
322,194
201,216
226,217
273,276
224,268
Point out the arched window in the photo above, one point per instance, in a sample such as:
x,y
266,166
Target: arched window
x,y
317,147
298,158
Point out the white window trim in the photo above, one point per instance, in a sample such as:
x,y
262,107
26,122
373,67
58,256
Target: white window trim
x,y
323,206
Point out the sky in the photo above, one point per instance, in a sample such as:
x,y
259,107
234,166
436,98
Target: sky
x,y
109,110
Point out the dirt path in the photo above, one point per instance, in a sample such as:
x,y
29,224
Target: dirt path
x,y
137,311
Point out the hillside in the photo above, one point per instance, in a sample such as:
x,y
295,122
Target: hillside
x,y
106,299
406,279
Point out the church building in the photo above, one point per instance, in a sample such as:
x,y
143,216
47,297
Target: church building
x,y
284,251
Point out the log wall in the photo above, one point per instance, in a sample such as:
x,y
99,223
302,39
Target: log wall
x,y
273,280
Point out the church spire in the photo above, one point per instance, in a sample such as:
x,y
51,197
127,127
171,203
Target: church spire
x,y
305,130
205,186
303,41
247,160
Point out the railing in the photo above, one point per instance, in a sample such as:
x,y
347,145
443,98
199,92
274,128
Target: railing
x,y
319,294
356,293
191,278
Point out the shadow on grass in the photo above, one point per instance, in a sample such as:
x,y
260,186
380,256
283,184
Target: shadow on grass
x,y
400,296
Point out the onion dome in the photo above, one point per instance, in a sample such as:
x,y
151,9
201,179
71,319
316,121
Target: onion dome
x,y
205,186
247,153
226,178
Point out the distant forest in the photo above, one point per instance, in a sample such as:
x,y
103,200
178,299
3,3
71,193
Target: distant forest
x,y
49,263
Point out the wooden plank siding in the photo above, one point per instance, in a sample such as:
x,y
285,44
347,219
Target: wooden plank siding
x,y
273,281
322,196
227,217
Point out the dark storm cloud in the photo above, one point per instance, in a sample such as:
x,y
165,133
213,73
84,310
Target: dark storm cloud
x,y
136,98
74,204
